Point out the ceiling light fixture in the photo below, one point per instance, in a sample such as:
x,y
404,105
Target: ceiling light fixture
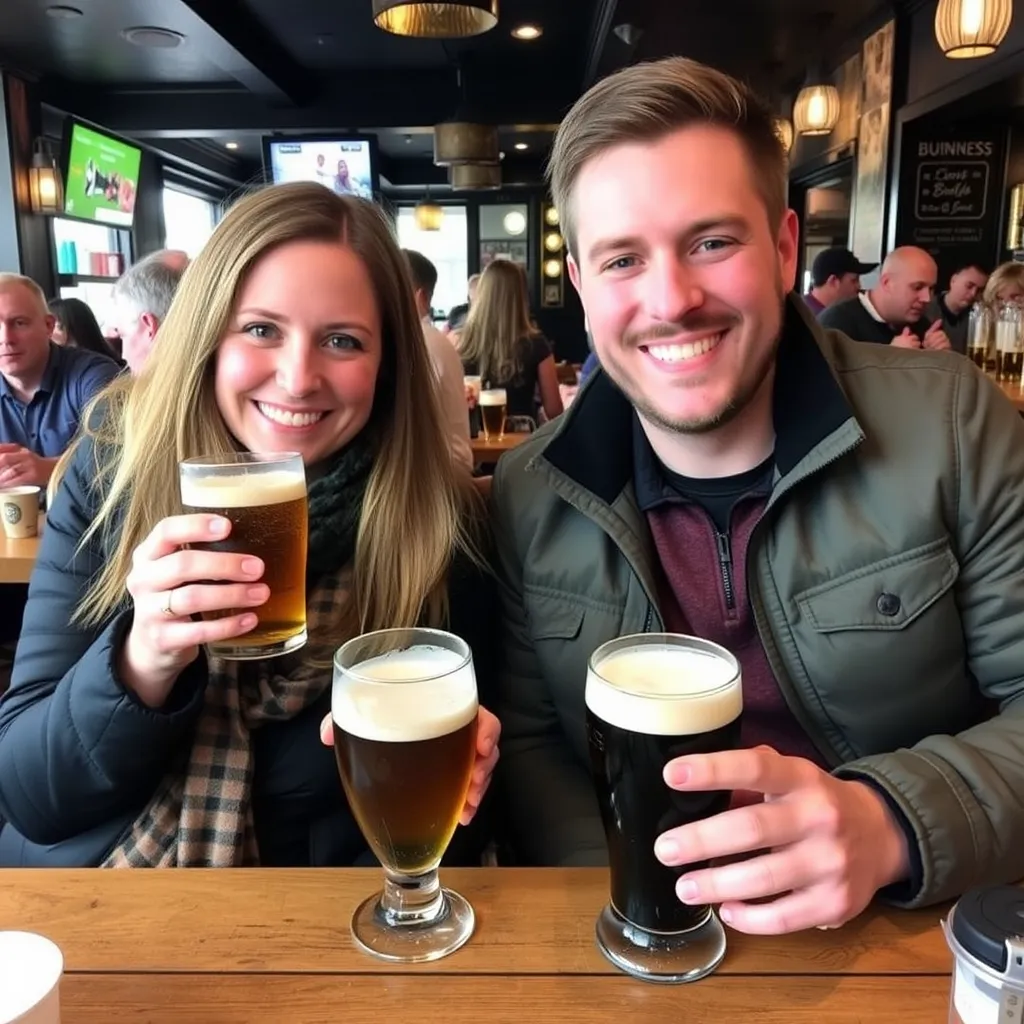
x,y
453,19
231,145
521,146
514,222
527,32
972,28
463,142
428,215
152,38
474,177
816,110
63,11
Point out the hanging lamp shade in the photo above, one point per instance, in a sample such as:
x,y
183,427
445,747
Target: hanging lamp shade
x,y
462,142
474,177
784,130
428,216
454,19
816,110
971,28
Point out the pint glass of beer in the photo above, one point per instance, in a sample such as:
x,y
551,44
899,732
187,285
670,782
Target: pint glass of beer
x,y
404,705
264,496
493,404
650,698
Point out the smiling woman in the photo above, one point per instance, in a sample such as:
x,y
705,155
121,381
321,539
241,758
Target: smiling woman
x,y
286,335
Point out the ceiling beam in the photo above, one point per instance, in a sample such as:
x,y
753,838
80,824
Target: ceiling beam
x,y
238,42
600,26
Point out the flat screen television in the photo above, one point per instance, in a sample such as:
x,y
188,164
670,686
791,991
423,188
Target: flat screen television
x,y
347,164
101,177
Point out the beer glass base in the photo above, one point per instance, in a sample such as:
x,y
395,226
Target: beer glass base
x,y
668,958
233,650
413,942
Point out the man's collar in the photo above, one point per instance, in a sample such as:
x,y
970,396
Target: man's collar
x,y
594,445
48,382
865,301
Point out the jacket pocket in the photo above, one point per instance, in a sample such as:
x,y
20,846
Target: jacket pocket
x,y
886,595
553,618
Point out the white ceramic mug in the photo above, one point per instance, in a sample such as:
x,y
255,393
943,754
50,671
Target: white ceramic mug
x,y
30,971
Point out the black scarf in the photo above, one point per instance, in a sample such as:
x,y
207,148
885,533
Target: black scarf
x,y
335,504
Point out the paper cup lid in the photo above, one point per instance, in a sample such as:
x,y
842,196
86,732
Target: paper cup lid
x,y
30,968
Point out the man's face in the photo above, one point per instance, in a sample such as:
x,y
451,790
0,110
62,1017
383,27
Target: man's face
x,y
681,275
965,286
137,331
908,288
25,328
847,287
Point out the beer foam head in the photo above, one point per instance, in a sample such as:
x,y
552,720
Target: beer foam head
x,y
665,690
242,490
495,396
406,696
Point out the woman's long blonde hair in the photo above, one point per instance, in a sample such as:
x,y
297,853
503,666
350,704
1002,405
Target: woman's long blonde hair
x,y
1005,274
498,322
419,506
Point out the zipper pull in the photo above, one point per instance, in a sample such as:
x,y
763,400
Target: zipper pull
x,y
724,548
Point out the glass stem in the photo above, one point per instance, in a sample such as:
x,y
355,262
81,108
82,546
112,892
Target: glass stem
x,y
412,899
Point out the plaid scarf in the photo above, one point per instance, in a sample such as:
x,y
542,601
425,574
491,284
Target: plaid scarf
x,y
201,813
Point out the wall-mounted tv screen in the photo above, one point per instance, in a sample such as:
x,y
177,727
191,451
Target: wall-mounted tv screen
x,y
348,165
101,177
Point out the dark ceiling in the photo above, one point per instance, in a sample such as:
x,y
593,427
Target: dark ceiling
x,y
245,68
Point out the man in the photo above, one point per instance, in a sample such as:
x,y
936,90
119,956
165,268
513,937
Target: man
x,y
893,312
142,299
44,387
835,276
954,307
457,314
447,365
847,519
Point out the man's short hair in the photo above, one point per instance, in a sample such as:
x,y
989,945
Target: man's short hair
x,y
646,102
424,273
970,265
9,280
148,286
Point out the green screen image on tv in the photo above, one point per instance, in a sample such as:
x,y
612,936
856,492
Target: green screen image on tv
x,y
102,178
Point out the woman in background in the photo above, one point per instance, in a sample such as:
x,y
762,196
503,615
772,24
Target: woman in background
x,y
1006,284
77,325
500,344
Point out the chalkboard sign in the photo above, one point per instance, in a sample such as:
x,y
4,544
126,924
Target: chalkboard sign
x,y
951,190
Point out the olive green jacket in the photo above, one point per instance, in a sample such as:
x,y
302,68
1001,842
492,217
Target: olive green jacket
x,y
897,472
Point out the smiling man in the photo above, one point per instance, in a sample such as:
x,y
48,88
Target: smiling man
x,y
847,519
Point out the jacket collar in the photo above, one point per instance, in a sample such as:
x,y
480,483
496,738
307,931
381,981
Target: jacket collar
x,y
594,444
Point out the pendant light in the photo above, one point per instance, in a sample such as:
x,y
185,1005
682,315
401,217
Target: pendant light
x,y
454,19
971,28
816,111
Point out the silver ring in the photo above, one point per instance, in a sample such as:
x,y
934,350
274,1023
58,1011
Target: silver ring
x,y
166,606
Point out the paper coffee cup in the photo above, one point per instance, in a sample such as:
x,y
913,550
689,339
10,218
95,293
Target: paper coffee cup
x,y
30,972
19,509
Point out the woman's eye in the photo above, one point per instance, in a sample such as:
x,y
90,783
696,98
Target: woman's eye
x,y
260,331
343,343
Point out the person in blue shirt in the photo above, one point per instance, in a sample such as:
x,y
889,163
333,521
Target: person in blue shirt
x,y
44,387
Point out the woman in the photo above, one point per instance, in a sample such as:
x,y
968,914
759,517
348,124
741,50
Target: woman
x,y
500,344
295,330
76,325
343,184
1006,284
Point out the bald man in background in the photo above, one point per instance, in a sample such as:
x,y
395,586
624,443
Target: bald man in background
x,y
892,313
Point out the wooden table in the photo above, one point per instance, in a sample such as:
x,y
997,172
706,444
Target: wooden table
x,y
491,451
1013,392
17,557
273,947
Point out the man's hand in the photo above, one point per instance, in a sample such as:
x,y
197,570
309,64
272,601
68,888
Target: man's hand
x,y
822,846
19,467
935,337
906,339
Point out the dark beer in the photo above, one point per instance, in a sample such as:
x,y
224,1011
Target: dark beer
x,y
405,752
269,520
493,405
976,353
646,705
1009,350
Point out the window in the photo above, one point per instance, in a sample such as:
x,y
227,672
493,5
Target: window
x,y
188,221
447,249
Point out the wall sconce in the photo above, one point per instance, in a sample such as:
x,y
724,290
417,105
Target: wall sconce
x,y
46,186
428,216
816,110
552,264
514,222
784,130
971,28
553,241
551,216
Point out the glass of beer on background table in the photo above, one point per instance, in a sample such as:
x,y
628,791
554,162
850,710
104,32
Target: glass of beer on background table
x,y
493,405
264,497
404,705
650,698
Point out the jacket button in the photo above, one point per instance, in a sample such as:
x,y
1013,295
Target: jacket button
x,y
888,604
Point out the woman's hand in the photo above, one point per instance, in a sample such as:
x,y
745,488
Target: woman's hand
x,y
169,585
487,733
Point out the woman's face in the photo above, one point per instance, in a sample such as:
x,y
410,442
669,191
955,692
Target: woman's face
x,y
59,333
1010,292
342,169
297,367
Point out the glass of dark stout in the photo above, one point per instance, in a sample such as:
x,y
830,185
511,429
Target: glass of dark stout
x,y
404,705
650,698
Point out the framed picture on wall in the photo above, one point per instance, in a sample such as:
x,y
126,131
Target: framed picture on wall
x,y
505,249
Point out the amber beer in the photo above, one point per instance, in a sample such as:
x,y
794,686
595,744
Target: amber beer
x,y
264,497
493,405
650,699
405,761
